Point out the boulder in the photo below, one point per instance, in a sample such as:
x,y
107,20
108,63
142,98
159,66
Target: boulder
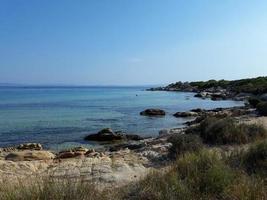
x,y
30,155
199,95
30,146
130,146
198,110
108,135
74,152
134,137
153,112
105,135
186,114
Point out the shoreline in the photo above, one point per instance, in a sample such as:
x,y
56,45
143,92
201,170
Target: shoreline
x,y
122,163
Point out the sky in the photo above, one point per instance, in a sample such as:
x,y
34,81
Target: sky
x,y
131,42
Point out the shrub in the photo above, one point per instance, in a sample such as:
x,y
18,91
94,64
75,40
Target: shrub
x,y
262,108
183,143
204,173
255,160
159,186
226,131
254,101
246,188
56,189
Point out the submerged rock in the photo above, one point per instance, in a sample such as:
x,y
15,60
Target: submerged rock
x,y
105,135
153,112
108,135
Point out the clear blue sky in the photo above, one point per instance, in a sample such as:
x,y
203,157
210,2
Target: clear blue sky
x,y
131,42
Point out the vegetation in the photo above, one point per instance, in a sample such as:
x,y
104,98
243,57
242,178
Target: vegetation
x,y
203,175
262,108
56,189
198,172
199,176
255,159
183,143
226,131
254,85
254,101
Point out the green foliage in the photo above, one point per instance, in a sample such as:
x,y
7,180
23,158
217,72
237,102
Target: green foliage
x,y
255,86
226,131
204,172
183,143
254,101
255,160
159,186
246,187
262,108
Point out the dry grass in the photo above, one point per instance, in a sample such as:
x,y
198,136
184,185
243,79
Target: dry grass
x,y
193,176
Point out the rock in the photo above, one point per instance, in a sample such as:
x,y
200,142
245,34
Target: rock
x,y
263,97
108,135
185,114
151,155
153,112
198,110
30,155
105,135
30,146
199,95
132,146
8,149
164,132
74,152
80,149
134,137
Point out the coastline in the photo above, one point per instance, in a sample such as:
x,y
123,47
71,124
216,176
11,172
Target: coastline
x,y
122,162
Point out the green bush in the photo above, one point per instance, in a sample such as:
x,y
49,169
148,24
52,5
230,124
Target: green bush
x,y
204,173
255,160
254,101
183,143
226,131
262,108
159,186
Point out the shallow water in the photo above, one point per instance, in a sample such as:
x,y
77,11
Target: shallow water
x,y
60,117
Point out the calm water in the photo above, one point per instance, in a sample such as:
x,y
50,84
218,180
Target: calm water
x,y
61,117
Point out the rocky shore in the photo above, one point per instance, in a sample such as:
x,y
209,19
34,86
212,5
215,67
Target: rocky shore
x,y
221,90
130,157
120,163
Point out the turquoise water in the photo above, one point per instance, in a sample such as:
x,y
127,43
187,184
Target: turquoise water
x,y
62,116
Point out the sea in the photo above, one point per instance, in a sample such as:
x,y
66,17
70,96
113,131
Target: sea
x,y
60,117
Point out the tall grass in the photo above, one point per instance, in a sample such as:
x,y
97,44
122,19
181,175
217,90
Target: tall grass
x,y
54,189
223,131
193,176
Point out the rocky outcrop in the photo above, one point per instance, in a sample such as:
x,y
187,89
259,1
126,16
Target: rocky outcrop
x,y
222,112
30,155
105,135
186,114
30,146
153,112
74,152
108,135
